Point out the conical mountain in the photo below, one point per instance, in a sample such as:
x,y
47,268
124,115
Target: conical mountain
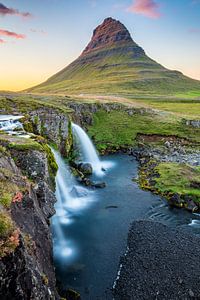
x,y
112,63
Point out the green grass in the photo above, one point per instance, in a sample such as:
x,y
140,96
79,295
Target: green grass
x,y
189,110
176,178
118,129
25,104
6,225
117,71
9,236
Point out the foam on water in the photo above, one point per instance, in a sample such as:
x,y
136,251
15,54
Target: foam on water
x,y
88,151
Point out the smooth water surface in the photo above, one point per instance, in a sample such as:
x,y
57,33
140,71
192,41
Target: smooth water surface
x,y
90,227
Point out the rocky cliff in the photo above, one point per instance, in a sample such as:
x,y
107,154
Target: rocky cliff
x,y
109,33
26,205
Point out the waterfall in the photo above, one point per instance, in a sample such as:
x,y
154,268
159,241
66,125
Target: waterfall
x,y
71,200
9,123
87,150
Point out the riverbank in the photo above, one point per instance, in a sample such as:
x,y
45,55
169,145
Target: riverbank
x,y
160,263
170,166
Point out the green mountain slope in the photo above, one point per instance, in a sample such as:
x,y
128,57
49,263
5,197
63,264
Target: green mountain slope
x,y
113,63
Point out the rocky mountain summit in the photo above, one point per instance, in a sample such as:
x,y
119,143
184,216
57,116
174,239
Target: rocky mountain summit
x,y
110,32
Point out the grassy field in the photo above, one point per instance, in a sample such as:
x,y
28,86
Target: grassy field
x,y
177,178
188,110
117,128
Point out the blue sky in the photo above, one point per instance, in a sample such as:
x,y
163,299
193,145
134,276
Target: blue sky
x,y
56,31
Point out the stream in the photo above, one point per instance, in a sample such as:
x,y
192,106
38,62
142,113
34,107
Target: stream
x,y
91,225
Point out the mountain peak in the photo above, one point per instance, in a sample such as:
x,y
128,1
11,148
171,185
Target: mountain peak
x,y
109,33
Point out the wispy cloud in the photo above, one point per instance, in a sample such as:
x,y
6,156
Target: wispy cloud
x,y
4,10
148,8
2,41
12,34
194,30
40,31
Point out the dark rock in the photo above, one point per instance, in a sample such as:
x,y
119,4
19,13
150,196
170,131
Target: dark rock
x,y
72,295
111,206
175,200
108,33
195,185
85,168
160,263
28,271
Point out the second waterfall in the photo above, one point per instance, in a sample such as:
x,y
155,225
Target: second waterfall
x,y
88,151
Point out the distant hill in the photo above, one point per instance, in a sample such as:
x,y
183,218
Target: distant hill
x,y
112,63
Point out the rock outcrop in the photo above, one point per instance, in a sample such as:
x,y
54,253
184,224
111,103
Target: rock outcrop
x,y
26,204
109,33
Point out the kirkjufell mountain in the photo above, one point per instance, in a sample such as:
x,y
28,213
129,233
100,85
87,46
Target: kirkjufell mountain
x,y
112,63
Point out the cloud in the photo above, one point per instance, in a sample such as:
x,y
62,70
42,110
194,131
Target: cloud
x,y
38,31
12,34
148,8
194,30
2,41
4,10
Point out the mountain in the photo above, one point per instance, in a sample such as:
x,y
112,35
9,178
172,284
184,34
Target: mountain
x,y
112,63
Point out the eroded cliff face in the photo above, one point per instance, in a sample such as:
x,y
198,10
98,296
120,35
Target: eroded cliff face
x,y
52,124
26,204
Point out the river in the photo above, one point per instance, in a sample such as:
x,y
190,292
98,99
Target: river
x,y
95,224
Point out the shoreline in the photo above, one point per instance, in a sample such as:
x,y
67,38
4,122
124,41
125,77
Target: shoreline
x,y
160,263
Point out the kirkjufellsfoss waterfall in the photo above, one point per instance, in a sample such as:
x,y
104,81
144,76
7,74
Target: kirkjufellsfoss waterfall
x,y
71,199
88,151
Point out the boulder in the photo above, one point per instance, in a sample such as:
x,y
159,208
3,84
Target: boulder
x,y
85,168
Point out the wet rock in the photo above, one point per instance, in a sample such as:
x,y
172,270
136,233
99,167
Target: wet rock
x,y
175,200
85,168
97,184
111,206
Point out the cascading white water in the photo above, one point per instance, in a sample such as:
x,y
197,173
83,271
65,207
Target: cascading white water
x,y
71,199
10,123
87,150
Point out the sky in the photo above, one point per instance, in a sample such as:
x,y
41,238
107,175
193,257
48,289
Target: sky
x,y
40,37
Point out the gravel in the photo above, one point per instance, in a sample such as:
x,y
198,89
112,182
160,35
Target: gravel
x,y
160,263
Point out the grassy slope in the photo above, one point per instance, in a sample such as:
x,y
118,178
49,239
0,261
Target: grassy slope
x,y
177,178
116,70
117,128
